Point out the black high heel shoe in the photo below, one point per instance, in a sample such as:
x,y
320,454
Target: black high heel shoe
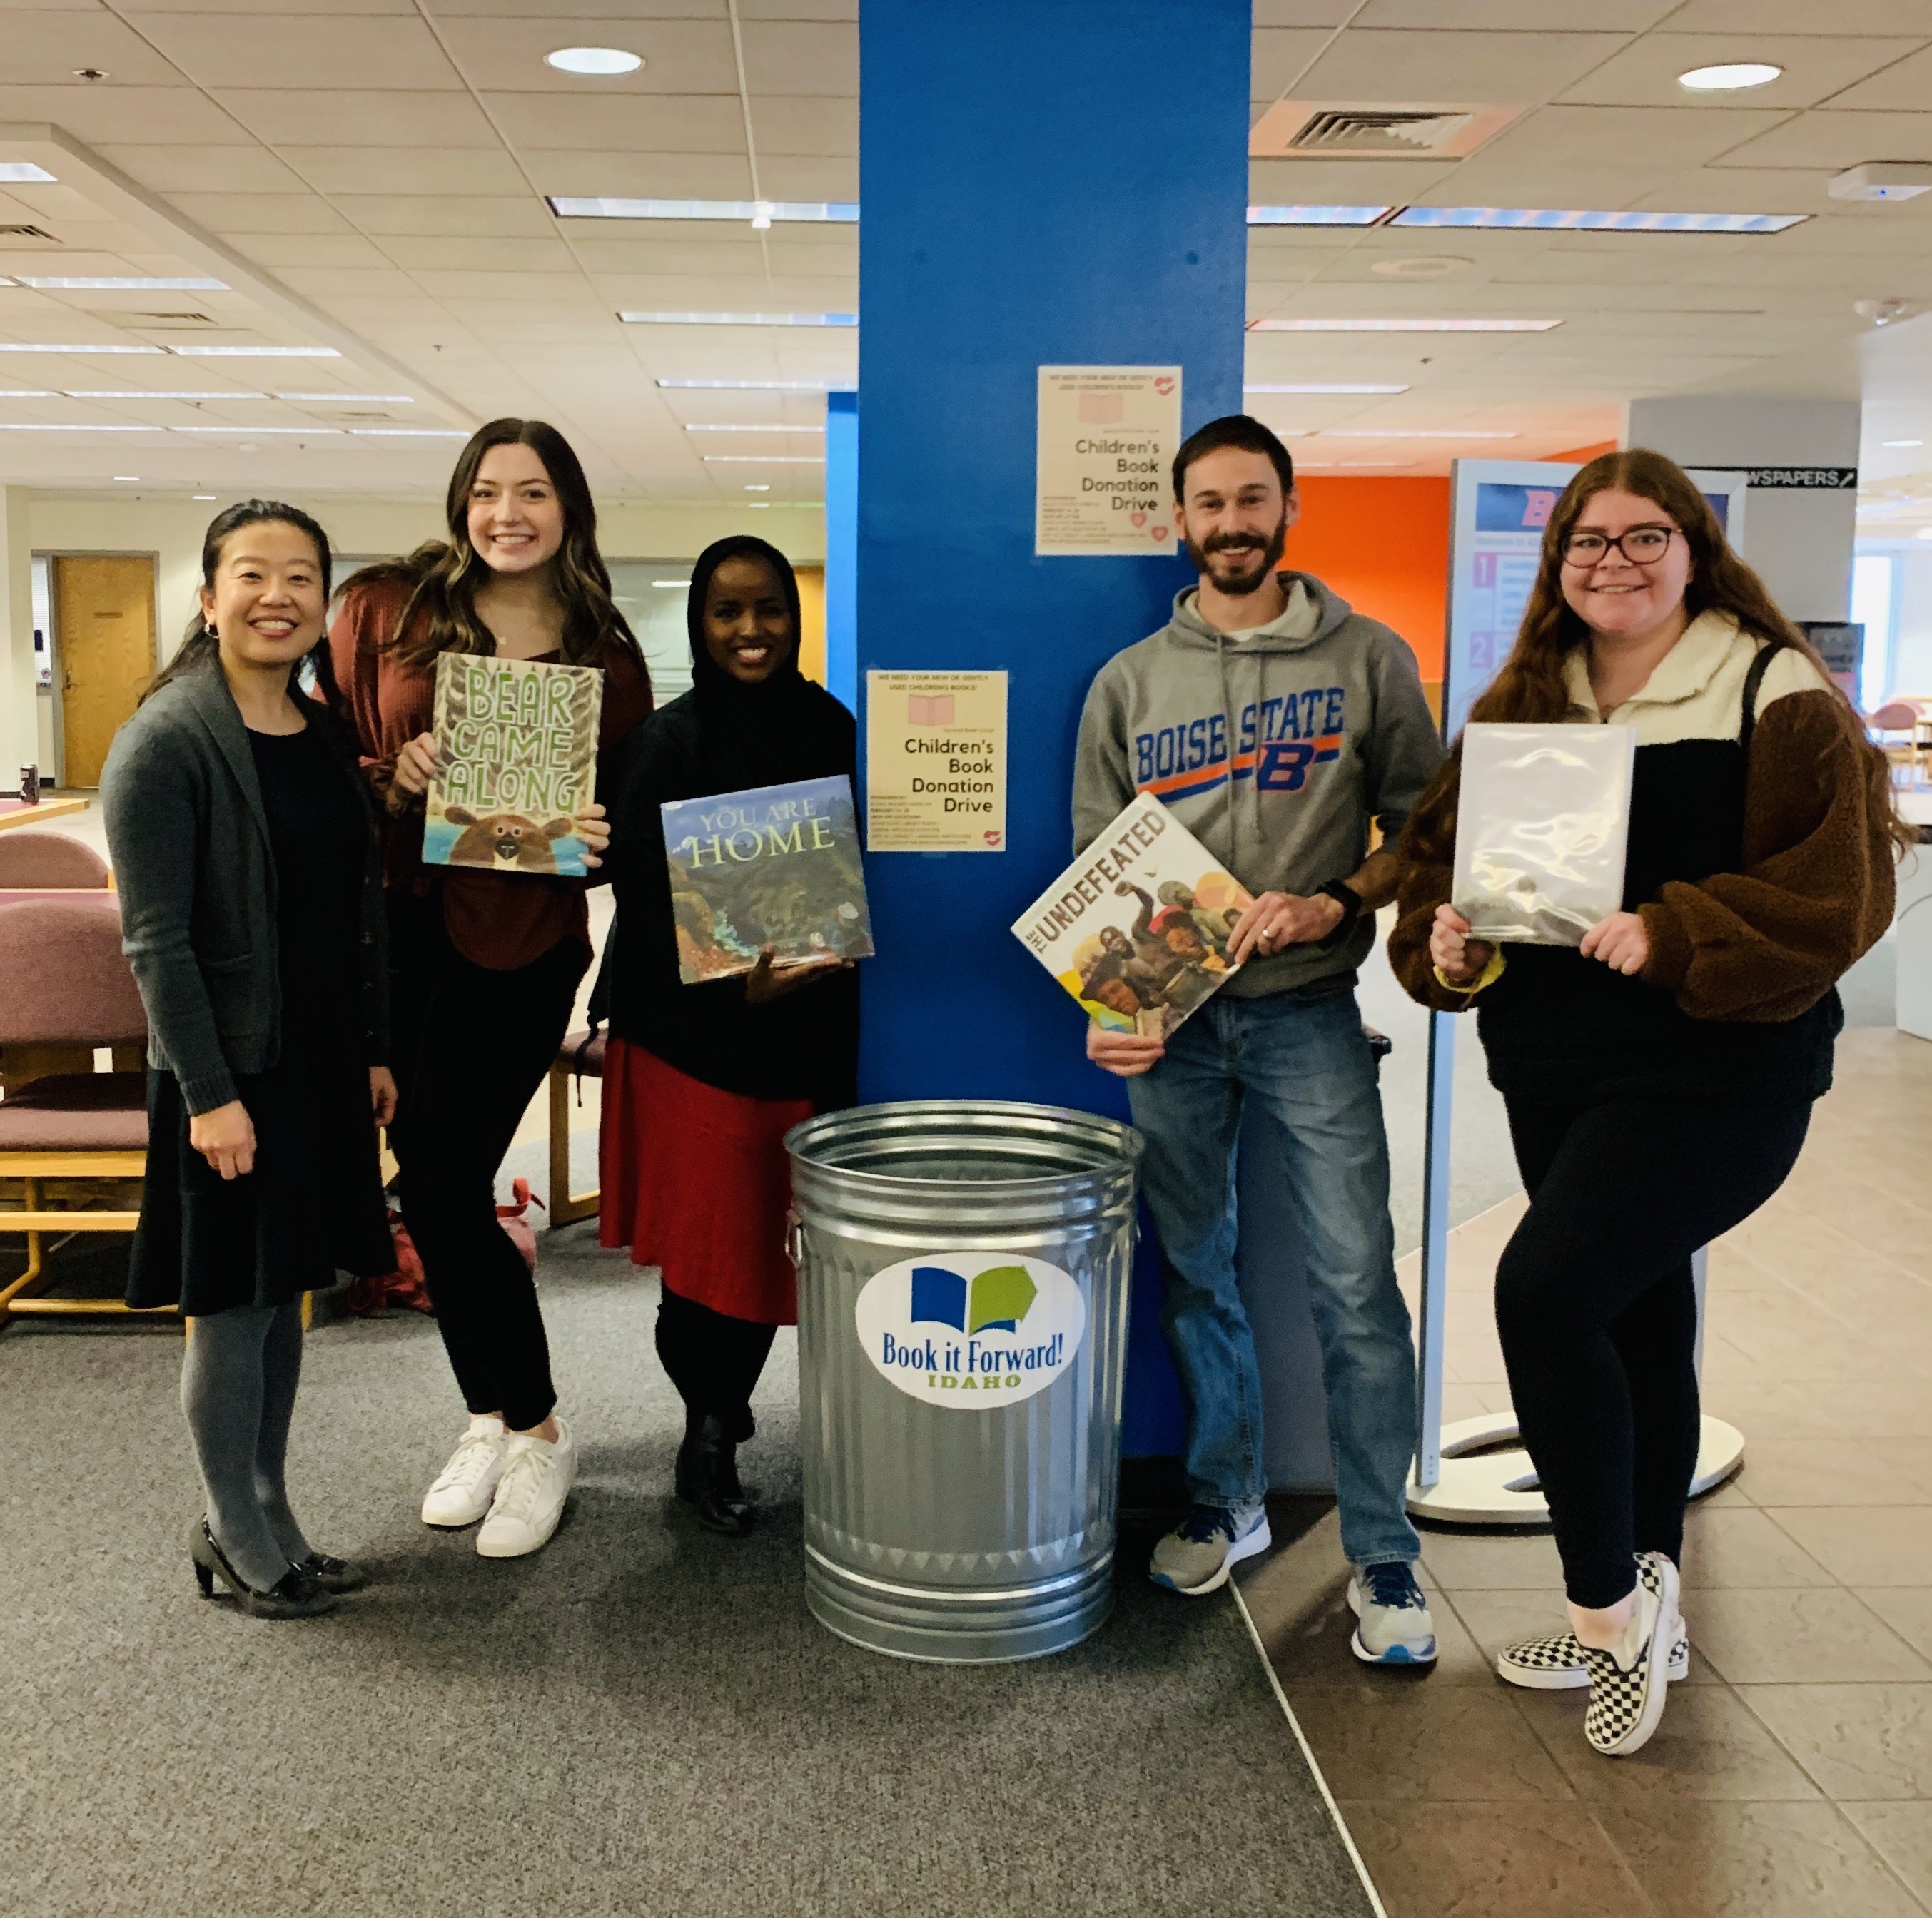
x,y
707,1475
334,1574
295,1594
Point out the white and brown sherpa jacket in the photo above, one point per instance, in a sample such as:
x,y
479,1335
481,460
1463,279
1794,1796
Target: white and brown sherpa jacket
x,y
1759,862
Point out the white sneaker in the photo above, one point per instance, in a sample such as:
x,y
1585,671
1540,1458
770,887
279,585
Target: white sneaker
x,y
464,1487
538,1475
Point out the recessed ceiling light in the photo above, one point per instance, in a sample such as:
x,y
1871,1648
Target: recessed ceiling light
x,y
671,582
763,459
203,496
120,283
1402,325
259,353
739,318
22,171
756,385
1318,386
763,487
1901,442
735,426
567,206
1925,532
1314,216
764,506
1729,78
127,479
602,61
1553,220
1420,266
92,346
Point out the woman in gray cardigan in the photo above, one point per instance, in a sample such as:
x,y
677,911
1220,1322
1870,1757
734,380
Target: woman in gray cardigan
x,y
251,912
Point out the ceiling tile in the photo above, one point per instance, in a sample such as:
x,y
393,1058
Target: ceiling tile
x,y
1831,140
798,10
261,213
822,128
1279,55
1302,13
1905,88
1344,182
679,56
225,169
1756,16
137,114
341,284
1425,65
780,177
43,49
701,123
796,56
492,255
1645,74
392,214
1523,16
330,9
462,171
368,55
1619,149
642,175
582,9
275,251
322,118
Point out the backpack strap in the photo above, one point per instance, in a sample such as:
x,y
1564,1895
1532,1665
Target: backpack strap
x,y
1753,684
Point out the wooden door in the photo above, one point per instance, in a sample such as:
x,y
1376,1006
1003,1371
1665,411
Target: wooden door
x,y
104,636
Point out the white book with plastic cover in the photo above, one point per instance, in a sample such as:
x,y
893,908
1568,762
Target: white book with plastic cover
x,y
1137,929
1542,824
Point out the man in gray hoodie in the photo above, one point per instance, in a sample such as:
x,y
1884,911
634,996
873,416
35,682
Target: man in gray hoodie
x,y
1275,723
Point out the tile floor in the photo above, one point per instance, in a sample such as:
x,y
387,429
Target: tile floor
x,y
1793,1771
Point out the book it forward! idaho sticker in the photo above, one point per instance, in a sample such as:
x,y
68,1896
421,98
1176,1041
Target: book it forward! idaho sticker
x,y
972,1330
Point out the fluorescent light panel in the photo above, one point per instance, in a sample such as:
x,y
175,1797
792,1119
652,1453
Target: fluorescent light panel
x,y
120,283
23,171
1315,215
22,346
739,318
29,392
567,206
1402,325
1547,220
1318,386
76,393
64,426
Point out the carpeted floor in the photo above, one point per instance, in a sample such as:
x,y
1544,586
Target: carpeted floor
x,y
641,1720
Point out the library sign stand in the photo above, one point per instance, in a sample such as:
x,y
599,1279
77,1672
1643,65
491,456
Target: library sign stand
x,y
1475,1471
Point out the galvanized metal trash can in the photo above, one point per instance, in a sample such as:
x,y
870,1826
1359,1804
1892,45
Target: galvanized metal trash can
x,y
963,1273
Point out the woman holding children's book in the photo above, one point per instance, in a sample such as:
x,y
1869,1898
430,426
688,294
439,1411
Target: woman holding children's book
x,y
702,1081
485,963
1659,1075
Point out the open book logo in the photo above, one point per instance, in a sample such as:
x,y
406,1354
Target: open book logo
x,y
971,1333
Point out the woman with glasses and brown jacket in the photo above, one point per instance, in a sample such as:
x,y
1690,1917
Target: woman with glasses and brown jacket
x,y
1659,1077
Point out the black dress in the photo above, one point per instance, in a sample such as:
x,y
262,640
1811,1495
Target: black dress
x,y
313,1203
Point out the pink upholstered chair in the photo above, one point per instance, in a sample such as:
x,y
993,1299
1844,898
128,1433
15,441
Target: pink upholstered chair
x,y
68,990
1898,716
30,856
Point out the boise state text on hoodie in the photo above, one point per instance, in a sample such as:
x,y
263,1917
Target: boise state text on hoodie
x,y
1274,748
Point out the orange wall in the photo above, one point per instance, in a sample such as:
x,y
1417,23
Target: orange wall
x,y
1383,544
811,622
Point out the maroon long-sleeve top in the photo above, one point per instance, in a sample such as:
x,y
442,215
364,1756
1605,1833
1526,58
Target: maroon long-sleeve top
x,y
500,920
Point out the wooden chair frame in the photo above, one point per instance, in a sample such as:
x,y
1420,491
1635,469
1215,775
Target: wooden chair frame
x,y
566,1207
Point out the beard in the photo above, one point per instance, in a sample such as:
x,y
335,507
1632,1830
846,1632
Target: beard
x,y
1249,560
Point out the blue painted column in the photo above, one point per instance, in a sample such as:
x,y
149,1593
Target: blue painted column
x,y
841,547
1056,184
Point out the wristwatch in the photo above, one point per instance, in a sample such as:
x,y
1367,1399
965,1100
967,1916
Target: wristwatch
x,y
1350,903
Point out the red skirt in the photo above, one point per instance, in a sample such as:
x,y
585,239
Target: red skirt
x,y
696,1181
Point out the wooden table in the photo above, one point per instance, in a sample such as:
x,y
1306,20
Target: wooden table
x,y
17,812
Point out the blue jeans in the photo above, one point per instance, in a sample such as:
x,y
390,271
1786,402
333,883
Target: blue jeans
x,y
1305,1060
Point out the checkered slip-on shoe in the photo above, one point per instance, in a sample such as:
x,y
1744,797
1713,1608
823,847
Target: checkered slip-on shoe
x,y
1557,1663
1626,1703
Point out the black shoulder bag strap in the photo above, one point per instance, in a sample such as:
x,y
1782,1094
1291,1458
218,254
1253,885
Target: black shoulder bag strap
x,y
1753,683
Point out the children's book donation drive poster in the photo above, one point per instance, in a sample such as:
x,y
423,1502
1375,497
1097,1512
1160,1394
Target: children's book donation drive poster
x,y
936,761
1104,479
519,751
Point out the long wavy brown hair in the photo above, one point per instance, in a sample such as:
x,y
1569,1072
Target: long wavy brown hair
x,y
1531,686
443,576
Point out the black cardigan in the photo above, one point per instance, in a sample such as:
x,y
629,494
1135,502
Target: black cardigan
x,y
189,839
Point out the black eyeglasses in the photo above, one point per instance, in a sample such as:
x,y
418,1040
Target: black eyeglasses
x,y
1641,546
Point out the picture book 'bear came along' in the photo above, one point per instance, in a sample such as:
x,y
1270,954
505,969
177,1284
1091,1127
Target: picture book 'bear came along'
x,y
520,746
774,865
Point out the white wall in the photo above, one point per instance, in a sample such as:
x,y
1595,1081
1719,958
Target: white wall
x,y
171,528
1911,604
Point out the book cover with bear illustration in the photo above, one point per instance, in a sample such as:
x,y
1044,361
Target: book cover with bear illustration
x,y
775,865
1137,928
520,742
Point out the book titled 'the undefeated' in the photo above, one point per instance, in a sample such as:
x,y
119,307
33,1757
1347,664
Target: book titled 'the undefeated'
x,y
519,742
1137,928
774,865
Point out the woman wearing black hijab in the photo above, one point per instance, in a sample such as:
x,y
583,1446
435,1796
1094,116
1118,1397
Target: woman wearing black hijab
x,y
702,1082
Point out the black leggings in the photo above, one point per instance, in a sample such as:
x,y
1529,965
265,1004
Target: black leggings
x,y
1597,1312
472,1047
714,1360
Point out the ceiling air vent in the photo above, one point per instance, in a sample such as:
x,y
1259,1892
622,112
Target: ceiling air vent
x,y
1345,129
17,236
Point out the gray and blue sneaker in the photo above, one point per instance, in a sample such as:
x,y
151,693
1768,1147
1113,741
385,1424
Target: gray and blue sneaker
x,y
1395,1627
1196,1557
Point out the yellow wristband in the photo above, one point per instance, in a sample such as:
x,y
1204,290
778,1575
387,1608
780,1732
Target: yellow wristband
x,y
1490,973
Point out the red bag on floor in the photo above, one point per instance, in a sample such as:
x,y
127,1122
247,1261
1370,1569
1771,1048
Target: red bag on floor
x,y
405,1288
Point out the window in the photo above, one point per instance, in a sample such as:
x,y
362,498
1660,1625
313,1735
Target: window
x,y
1871,608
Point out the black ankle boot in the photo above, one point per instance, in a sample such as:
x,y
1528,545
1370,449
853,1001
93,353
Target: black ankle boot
x,y
707,1475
